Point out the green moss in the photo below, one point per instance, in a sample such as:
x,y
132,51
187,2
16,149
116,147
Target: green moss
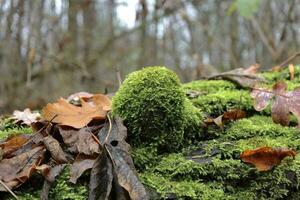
x,y
273,77
64,190
7,128
209,86
153,105
258,126
181,189
217,103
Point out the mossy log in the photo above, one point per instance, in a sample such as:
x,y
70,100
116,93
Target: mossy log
x,y
204,163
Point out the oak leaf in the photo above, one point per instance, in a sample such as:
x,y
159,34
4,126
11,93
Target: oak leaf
x,y
265,158
62,112
284,102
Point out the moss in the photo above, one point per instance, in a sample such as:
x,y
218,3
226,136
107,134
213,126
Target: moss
x,y
64,190
153,105
217,103
273,77
7,128
258,126
209,86
181,189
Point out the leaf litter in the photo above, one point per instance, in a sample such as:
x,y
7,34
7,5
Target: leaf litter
x,y
82,136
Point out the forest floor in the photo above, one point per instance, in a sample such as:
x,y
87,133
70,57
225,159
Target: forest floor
x,y
208,169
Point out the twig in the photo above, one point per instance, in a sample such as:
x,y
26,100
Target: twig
x,y
9,190
119,77
93,136
284,63
109,130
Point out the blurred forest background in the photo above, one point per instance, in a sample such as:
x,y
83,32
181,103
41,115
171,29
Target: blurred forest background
x,y
52,48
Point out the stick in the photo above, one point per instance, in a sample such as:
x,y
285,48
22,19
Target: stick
x,y
9,190
289,59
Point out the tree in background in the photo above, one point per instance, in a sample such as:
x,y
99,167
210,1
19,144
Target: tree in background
x,y
52,48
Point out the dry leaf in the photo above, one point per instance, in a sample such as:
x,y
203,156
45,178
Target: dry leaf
x,y
15,171
79,95
12,144
64,113
26,116
80,165
292,71
244,77
80,141
101,178
53,146
265,158
284,102
231,115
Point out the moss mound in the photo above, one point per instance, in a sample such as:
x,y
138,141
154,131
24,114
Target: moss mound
x,y
153,105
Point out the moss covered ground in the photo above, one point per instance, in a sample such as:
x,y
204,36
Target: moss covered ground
x,y
209,166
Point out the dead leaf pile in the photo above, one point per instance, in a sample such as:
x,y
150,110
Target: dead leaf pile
x,y
80,135
265,158
284,102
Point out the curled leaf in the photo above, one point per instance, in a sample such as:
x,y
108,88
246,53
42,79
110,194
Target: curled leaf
x,y
265,158
53,146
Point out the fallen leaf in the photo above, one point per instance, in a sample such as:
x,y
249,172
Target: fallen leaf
x,y
64,113
234,114
80,141
231,115
26,116
12,144
53,146
80,165
243,77
265,158
123,165
101,178
79,95
15,171
261,98
49,180
292,71
284,102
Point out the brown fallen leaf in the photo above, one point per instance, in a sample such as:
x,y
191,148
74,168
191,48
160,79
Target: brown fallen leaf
x,y
64,113
50,176
26,116
80,165
230,115
15,171
265,158
53,146
292,71
80,141
12,144
245,77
